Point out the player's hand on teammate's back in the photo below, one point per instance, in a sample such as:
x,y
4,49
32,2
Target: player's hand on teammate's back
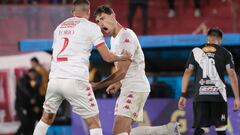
x,y
182,103
113,88
236,105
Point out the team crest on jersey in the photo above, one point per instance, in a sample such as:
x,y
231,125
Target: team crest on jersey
x,y
126,40
223,117
209,49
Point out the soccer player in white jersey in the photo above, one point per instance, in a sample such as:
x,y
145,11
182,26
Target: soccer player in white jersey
x,y
130,77
69,76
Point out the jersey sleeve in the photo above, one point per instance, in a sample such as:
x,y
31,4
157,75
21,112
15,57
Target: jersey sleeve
x,y
191,63
96,36
229,60
128,43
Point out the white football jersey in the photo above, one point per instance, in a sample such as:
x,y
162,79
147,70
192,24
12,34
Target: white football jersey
x,y
73,41
135,79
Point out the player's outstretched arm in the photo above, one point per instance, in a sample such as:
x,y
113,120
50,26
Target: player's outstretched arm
x,y
110,57
115,77
234,84
185,81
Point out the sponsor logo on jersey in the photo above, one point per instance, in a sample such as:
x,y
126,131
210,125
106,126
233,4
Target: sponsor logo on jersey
x,y
208,90
208,82
223,117
208,49
69,24
126,40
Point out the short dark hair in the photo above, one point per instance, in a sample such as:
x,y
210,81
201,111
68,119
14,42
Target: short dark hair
x,y
215,32
103,9
80,2
34,59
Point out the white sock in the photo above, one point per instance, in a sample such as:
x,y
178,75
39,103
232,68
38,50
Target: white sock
x,y
41,128
147,130
224,128
96,131
124,133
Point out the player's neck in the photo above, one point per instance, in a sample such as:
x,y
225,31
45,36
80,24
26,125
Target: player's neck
x,y
80,15
117,29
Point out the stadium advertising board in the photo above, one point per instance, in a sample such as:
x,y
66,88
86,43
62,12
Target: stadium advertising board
x,y
157,112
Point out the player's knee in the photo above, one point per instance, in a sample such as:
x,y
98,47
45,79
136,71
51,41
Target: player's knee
x,y
48,118
122,125
93,122
117,128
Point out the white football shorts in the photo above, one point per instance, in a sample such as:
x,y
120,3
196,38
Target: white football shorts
x,y
130,104
78,93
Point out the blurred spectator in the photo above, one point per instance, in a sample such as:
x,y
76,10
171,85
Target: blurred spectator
x,y
28,102
171,8
63,114
33,2
44,75
7,1
33,19
197,11
143,4
95,76
58,1
159,89
172,11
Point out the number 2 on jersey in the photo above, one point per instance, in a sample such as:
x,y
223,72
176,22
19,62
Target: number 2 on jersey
x,y
65,44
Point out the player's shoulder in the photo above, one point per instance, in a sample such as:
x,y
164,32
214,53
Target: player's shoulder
x,y
92,25
127,33
225,50
198,47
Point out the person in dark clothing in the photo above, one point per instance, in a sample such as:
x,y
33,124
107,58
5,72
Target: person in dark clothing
x,y
28,102
143,4
95,76
172,11
209,62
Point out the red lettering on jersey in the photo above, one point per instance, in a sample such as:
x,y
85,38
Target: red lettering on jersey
x,y
69,24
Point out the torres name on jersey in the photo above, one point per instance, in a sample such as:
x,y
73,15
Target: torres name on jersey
x,y
73,41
